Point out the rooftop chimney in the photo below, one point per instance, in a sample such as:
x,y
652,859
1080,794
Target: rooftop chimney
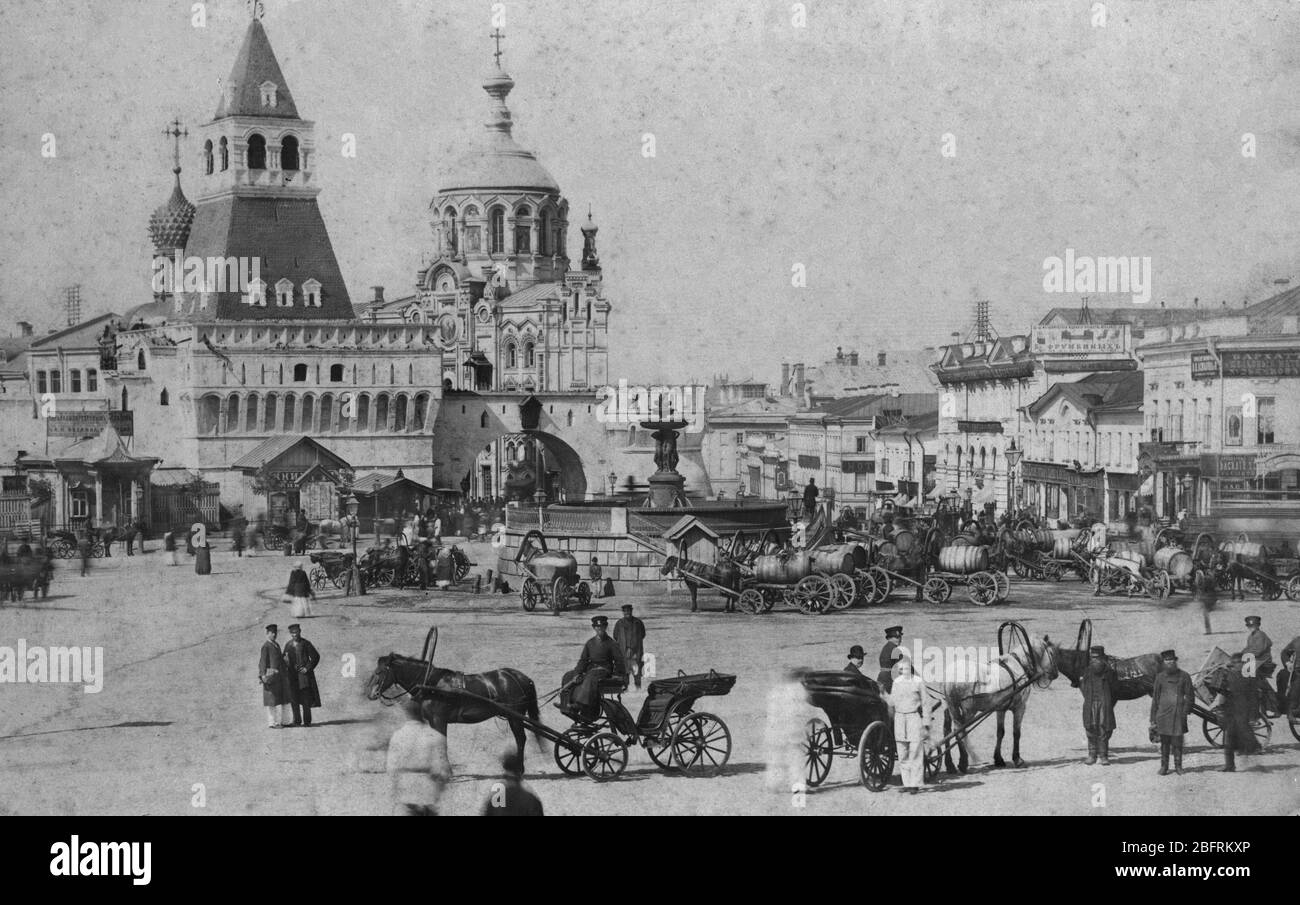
x,y
379,295
880,359
853,359
24,328
839,353
785,377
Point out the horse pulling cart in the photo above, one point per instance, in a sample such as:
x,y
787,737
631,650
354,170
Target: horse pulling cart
x,y
550,579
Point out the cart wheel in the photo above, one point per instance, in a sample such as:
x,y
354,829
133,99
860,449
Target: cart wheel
x,y
560,594
1004,585
937,590
318,578
97,550
1052,571
845,591
1021,570
818,751
583,593
751,601
530,594
1270,590
1293,588
1293,720
813,595
1212,729
604,757
660,748
866,582
566,756
876,756
701,744
460,564
884,584
982,588
770,598
933,764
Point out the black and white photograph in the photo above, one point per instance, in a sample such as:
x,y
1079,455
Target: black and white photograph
x,y
739,408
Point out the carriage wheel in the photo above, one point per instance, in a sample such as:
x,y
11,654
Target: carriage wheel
x,y
560,594
318,577
1293,720
876,756
866,582
1292,589
982,588
937,590
751,601
460,564
701,744
813,595
1212,729
583,593
818,751
1263,729
1018,566
604,757
770,597
530,594
384,576
660,748
883,583
933,764
61,549
1052,570
566,756
845,591
1270,590
1004,585
97,550
273,541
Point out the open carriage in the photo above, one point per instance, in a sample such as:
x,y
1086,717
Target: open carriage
x,y
673,733
859,727
1264,570
329,567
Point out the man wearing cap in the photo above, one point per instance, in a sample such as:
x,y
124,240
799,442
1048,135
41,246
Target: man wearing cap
x,y
1171,700
1259,648
301,658
1238,702
629,634
856,657
888,654
1098,686
274,676
601,657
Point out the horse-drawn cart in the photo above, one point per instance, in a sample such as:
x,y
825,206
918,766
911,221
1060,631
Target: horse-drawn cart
x,y
550,579
860,727
1203,682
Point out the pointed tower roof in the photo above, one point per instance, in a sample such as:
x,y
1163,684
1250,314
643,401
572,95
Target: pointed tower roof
x,y
255,66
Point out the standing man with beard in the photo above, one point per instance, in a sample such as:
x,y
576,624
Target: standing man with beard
x,y
1171,701
1098,686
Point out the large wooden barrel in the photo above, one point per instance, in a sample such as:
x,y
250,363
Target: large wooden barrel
x,y
961,540
833,560
1036,539
782,568
546,566
905,541
964,560
1061,547
1247,550
1174,560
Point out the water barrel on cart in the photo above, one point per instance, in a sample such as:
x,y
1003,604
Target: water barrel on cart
x,y
1062,546
1247,550
904,541
1176,561
833,560
1037,539
964,560
782,568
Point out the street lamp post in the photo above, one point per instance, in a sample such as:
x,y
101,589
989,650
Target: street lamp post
x,y
1013,459
352,504
613,482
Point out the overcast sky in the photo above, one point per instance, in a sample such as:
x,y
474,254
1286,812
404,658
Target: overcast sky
x,y
775,145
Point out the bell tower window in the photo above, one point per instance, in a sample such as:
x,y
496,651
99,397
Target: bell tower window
x,y
289,153
449,229
269,94
224,150
497,233
207,157
256,152
543,231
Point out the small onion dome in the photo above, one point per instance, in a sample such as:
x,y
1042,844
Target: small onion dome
x,y
169,226
590,227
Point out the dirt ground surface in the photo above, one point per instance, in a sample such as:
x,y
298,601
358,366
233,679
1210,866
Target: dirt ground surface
x,y
179,729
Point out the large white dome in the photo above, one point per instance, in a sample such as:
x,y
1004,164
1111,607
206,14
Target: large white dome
x,y
498,163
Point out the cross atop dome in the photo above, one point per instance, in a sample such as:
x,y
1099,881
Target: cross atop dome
x,y
175,130
496,35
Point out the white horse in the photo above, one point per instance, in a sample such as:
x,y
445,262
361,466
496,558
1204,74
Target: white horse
x,y
970,686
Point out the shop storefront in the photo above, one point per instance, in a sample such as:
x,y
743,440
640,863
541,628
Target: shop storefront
x,y
1061,492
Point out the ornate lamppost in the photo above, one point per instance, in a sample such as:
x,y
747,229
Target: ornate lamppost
x,y
1013,459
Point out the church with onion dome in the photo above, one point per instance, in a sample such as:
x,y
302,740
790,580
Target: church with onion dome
x,y
252,370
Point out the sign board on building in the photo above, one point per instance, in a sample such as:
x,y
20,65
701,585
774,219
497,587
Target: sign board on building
x,y
1204,365
1282,363
1084,339
806,461
1237,466
319,500
89,424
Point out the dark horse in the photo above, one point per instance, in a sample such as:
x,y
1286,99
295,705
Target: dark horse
x,y
447,697
1136,675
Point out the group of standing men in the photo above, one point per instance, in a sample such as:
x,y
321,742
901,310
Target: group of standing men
x,y
288,678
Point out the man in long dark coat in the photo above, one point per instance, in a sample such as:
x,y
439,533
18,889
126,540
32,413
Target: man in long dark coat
x,y
629,634
403,561
301,657
1171,700
889,656
601,657
422,563
1098,686
274,676
1238,702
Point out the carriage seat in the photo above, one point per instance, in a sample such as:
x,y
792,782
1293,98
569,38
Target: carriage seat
x,y
612,685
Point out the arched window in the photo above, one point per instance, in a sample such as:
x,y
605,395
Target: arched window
x,y
418,413
327,413
256,152
307,418
336,373
209,415
361,417
139,360
959,463
983,459
449,229
299,373
631,435
522,230
482,420
207,157
528,354
512,356
250,413
399,413
92,380
381,413
269,413
289,153
290,413
232,414
543,233
223,148
162,397
497,231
